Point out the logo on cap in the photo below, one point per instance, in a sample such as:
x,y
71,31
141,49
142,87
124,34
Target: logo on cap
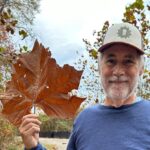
x,y
124,32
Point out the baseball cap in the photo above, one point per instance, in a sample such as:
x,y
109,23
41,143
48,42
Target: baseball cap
x,y
125,33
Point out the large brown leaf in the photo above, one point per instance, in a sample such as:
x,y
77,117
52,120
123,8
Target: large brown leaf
x,y
38,80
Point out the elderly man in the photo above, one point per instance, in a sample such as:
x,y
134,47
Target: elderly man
x,y
122,121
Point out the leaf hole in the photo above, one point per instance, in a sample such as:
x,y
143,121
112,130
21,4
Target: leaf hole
x,y
25,75
47,87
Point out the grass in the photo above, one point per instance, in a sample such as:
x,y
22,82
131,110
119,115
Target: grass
x,y
55,124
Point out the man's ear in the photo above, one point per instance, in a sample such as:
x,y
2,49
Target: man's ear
x,y
99,68
99,60
141,70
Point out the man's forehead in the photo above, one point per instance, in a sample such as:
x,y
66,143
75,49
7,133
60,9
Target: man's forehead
x,y
128,55
120,50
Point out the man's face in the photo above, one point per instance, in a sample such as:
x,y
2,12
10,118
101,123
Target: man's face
x,y
120,69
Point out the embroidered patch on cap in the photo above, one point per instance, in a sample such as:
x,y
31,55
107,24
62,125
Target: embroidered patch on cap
x,y
124,32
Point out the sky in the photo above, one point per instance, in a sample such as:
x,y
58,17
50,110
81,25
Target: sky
x,y
62,24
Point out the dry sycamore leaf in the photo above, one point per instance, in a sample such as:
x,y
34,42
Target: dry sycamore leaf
x,y
38,80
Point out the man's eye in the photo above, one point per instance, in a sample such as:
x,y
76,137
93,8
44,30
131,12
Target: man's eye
x,y
110,61
129,62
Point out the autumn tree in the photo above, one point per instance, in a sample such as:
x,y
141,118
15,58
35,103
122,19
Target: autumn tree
x,y
135,13
16,17
6,46
23,14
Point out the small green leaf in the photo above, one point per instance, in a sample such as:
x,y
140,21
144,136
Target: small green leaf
x,y
23,33
2,49
13,23
93,53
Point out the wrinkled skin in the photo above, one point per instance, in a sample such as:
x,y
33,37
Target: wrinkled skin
x,y
29,130
120,70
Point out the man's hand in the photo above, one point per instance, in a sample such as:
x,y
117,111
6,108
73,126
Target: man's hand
x,y
29,130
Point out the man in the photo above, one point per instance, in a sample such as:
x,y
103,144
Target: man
x,y
122,121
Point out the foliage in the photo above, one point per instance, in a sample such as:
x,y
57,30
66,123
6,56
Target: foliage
x,y
15,17
7,55
7,133
18,15
55,124
135,13
99,41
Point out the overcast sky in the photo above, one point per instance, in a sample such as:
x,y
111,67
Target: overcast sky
x,y
62,24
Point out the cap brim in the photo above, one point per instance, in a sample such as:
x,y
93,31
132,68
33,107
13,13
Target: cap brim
x,y
105,46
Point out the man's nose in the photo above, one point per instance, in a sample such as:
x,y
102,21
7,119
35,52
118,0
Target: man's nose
x,y
118,70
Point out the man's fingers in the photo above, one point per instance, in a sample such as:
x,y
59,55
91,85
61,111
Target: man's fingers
x,y
30,126
31,131
31,118
30,123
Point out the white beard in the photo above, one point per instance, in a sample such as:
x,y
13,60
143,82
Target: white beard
x,y
119,91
